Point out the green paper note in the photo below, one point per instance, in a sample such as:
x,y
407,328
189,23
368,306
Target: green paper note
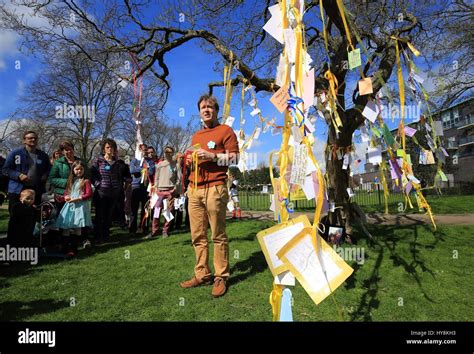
x,y
443,176
400,153
388,136
375,131
354,59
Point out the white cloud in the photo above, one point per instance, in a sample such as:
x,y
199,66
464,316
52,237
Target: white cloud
x,y
20,87
8,47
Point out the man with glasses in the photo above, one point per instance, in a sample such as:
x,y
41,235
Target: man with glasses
x,y
167,180
27,168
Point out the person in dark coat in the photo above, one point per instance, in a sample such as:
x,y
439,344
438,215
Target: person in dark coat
x,y
21,224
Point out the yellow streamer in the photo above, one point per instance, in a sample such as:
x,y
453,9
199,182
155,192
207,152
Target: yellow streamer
x,y
275,301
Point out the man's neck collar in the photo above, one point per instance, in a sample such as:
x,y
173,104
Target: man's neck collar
x,y
214,124
30,149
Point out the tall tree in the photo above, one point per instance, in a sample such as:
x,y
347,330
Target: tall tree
x,y
233,29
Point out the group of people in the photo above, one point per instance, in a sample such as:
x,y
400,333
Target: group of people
x,y
196,182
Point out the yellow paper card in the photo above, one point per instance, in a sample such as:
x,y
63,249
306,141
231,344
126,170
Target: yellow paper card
x,y
320,271
298,195
365,86
274,238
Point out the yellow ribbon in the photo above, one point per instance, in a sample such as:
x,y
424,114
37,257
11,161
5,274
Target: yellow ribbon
x,y
275,301
333,88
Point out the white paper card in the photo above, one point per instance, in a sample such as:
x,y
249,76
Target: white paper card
x,y
370,111
375,155
275,241
298,169
285,278
229,121
255,112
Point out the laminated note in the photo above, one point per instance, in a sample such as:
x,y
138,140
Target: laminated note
x,y
285,278
230,206
364,134
308,89
280,74
428,127
280,99
374,155
409,131
443,176
300,161
274,26
318,268
388,135
290,44
370,111
346,161
354,58
350,193
408,188
438,126
255,112
429,157
365,86
256,133
274,238
229,121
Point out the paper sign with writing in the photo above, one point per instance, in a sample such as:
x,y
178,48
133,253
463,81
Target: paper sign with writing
x,y
280,99
300,161
354,58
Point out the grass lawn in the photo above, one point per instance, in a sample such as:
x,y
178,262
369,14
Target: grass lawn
x,y
3,219
408,274
445,204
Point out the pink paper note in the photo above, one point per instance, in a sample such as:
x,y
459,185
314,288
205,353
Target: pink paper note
x,y
410,131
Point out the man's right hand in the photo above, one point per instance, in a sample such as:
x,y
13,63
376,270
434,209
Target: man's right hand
x,y
23,178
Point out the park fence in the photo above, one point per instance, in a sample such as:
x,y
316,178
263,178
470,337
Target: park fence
x,y
367,194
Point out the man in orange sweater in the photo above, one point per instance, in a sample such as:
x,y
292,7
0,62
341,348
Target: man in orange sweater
x,y
208,202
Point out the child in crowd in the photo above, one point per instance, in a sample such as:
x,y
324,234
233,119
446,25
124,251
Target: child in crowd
x,y
76,213
22,220
234,195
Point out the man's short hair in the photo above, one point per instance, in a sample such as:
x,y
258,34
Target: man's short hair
x,y
151,147
29,132
208,98
168,147
66,144
25,192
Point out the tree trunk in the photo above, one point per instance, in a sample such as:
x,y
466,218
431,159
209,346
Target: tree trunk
x,y
338,178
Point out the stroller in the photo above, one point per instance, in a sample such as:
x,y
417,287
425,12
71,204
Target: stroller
x,y
48,234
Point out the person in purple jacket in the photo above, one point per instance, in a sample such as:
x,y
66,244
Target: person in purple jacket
x,y
106,172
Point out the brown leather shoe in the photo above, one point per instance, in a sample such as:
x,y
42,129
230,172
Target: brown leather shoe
x,y
219,287
193,282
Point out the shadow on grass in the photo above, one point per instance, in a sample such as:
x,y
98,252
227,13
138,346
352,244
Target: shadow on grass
x,y
18,311
386,242
247,268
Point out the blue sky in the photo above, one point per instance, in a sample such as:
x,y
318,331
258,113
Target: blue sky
x,y
191,69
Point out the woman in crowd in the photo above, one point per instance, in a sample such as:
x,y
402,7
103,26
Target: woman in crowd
x,y
107,177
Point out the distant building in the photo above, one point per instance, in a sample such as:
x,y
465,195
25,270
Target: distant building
x,y
458,140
